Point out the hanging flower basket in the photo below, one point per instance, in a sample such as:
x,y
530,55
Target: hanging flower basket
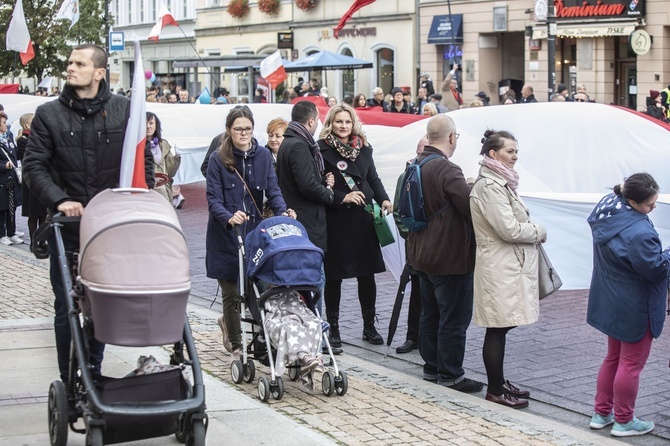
x,y
305,5
270,7
238,8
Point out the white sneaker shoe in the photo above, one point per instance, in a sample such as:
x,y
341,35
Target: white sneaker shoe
x,y
5,241
19,233
16,240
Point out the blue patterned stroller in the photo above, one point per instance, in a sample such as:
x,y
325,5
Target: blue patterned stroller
x,y
278,252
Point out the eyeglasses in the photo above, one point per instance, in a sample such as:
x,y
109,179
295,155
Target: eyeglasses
x,y
458,135
243,130
580,100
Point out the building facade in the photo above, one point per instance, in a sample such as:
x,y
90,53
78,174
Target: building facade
x,y
618,49
381,33
136,18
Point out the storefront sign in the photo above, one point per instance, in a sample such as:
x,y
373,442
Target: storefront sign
x,y
446,29
640,42
540,32
580,9
285,41
347,32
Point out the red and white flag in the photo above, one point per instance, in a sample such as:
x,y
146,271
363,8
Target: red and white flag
x,y
18,37
358,4
134,143
165,18
272,69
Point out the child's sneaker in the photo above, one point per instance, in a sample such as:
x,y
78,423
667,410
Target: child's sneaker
x,y
632,428
599,421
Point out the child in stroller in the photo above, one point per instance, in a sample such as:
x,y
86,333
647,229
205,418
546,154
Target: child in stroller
x,y
295,333
281,254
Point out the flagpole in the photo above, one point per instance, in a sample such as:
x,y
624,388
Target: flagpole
x,y
196,53
107,74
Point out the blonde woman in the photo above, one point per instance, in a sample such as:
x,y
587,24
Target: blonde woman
x,y
276,129
353,249
429,109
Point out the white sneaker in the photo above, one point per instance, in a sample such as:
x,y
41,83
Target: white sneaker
x,y
178,201
5,241
16,240
19,233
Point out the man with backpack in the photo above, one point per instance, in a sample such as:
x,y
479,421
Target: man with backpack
x,y
443,253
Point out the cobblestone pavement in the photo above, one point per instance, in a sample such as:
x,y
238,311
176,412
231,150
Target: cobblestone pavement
x,y
387,403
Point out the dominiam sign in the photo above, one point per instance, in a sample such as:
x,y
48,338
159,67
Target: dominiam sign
x,y
569,9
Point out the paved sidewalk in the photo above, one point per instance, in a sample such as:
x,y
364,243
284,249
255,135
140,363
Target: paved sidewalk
x,y
382,406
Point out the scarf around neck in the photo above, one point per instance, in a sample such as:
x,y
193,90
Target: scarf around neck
x,y
302,133
350,150
510,175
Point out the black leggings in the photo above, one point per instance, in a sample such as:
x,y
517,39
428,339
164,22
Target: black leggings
x,y
493,353
367,294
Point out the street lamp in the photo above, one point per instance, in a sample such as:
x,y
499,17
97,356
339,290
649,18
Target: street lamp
x,y
551,50
107,39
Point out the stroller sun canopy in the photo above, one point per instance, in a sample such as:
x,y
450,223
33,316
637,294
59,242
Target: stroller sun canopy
x,y
279,252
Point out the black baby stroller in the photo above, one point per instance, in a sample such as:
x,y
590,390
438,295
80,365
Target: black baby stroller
x,y
279,253
131,290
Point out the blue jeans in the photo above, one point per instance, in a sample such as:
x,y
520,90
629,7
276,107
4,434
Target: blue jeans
x,y
445,316
62,323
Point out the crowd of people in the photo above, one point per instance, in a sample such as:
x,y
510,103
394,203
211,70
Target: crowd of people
x,y
477,259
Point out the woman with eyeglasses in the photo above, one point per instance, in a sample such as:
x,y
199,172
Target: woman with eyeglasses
x,y
239,174
353,248
506,267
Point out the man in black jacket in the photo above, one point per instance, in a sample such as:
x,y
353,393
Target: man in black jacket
x,y
74,153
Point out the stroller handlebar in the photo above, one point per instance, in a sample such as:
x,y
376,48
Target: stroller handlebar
x,y
58,217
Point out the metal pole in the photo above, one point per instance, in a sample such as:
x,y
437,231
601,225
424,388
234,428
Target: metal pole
x,y
551,50
417,46
107,39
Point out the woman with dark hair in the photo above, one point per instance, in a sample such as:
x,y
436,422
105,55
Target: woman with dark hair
x,y
627,298
360,101
166,163
10,188
238,176
353,248
506,268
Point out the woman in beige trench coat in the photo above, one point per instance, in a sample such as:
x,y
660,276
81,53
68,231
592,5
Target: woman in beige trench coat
x,y
506,275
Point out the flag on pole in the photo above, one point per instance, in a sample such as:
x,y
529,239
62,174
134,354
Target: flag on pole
x,y
358,4
46,82
272,69
69,10
134,143
165,18
18,37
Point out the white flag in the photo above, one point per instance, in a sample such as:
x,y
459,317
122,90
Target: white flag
x,y
46,82
132,159
18,37
69,10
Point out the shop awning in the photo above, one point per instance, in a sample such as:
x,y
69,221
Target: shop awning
x,y
446,31
587,30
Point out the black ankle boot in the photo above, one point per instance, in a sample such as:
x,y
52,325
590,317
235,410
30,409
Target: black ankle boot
x,y
369,332
334,331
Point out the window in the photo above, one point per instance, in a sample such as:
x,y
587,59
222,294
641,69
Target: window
x,y
142,16
130,12
348,87
385,69
153,10
185,14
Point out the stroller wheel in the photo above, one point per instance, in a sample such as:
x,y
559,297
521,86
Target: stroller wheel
x,y
294,372
94,436
236,372
263,388
341,384
198,432
58,414
277,389
249,371
328,383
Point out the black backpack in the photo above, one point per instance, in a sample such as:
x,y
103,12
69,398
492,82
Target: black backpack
x,y
411,210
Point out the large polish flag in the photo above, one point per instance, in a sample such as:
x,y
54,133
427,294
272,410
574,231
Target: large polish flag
x,y
69,10
18,37
134,143
165,18
272,69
